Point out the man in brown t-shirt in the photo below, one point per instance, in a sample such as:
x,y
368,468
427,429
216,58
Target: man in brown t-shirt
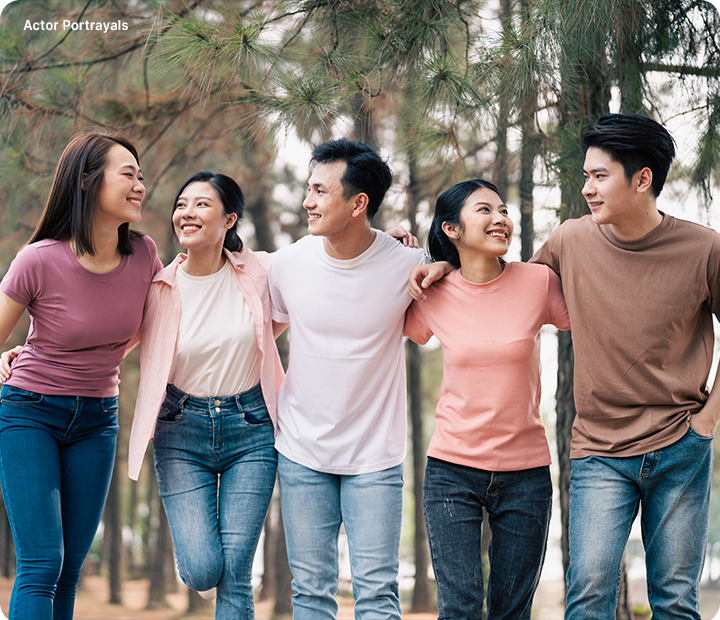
x,y
641,287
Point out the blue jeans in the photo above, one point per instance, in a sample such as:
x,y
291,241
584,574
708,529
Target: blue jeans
x,y
56,460
518,505
673,486
215,462
314,504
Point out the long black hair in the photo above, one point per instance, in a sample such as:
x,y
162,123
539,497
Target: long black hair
x,y
231,197
70,208
447,209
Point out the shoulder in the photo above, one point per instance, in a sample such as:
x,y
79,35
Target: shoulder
x,y
38,252
301,249
391,247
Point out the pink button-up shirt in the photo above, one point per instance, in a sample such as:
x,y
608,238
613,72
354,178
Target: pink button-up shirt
x,y
158,337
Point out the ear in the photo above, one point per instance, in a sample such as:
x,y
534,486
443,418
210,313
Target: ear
x,y
231,220
451,230
644,178
361,201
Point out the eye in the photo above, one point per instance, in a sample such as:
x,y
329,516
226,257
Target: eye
x,y
504,212
484,209
179,205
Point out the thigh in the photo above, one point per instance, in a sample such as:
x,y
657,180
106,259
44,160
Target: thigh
x,y
245,491
87,461
604,501
519,504
676,500
311,515
452,504
371,507
189,488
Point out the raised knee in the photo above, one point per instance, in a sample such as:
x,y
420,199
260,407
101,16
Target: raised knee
x,y
200,573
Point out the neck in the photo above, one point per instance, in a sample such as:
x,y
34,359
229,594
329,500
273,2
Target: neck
x,y
106,257
479,268
203,262
637,224
350,243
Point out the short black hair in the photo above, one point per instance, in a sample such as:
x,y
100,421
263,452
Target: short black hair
x,y
366,172
231,197
635,142
447,209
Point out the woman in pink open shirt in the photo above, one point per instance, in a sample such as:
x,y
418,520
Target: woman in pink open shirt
x,y
489,448
209,373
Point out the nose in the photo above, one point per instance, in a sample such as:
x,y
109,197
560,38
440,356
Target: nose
x,y
308,202
588,188
139,187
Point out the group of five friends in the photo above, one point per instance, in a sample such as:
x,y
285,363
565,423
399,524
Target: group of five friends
x,y
639,288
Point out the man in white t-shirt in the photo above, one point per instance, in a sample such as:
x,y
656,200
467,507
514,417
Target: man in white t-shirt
x,y
341,432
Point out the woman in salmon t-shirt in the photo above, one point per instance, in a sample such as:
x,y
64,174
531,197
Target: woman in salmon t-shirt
x,y
489,449
83,278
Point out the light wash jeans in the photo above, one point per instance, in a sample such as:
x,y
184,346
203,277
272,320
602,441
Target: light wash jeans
x,y
518,505
673,487
56,460
314,504
215,462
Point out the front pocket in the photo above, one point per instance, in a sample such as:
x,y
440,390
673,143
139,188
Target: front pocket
x,y
110,404
170,413
257,415
16,396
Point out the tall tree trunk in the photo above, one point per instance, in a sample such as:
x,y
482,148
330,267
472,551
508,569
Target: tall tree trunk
x,y
113,530
501,168
528,151
421,601
159,576
283,576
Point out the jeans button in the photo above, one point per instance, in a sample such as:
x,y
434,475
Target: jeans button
x,y
217,409
216,403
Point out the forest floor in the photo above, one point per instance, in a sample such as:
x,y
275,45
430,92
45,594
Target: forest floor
x,y
91,603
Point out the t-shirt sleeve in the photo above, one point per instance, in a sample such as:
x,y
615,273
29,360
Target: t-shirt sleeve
x,y
714,276
549,252
23,281
416,327
279,311
557,310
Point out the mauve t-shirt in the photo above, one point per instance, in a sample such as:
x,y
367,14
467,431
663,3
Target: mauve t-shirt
x,y
81,321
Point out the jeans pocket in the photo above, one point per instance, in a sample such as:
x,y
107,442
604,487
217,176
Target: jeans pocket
x,y
17,396
109,404
257,414
170,413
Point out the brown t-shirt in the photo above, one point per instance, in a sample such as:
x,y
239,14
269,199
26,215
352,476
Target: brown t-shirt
x,y
641,316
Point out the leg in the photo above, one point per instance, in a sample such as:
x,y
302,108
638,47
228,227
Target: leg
x,y
87,457
676,500
604,501
246,488
188,486
372,512
519,505
31,491
452,504
311,515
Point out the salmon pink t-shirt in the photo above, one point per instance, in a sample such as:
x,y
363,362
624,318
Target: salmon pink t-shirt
x,y
81,321
488,415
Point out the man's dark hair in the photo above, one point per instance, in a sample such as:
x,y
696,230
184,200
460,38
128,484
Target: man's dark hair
x,y
366,172
635,142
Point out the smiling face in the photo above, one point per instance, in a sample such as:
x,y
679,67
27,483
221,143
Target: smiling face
x,y
119,197
199,218
329,212
607,191
484,227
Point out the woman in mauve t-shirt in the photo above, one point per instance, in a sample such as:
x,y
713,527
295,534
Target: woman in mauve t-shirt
x,y
489,448
83,278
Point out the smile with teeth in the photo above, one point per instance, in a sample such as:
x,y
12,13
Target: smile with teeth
x,y
135,201
313,216
189,227
500,234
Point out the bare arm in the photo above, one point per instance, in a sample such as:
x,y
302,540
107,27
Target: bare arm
x,y
422,276
705,421
279,328
10,313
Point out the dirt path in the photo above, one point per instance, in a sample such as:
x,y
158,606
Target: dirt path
x,y
91,603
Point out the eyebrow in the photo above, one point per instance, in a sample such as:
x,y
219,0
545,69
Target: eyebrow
x,y
482,202
196,198
132,167
594,170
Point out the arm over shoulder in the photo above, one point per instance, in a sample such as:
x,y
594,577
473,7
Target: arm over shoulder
x,y
557,310
416,327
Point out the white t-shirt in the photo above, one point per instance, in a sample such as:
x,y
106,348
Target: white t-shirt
x,y
216,352
342,406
